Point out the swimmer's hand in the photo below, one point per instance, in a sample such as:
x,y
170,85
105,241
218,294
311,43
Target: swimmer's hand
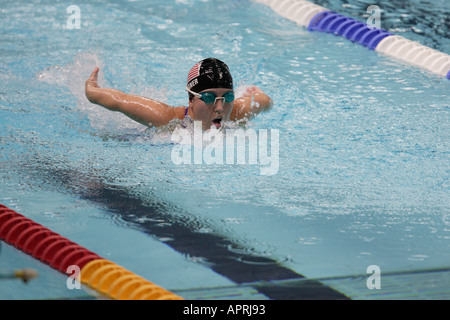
x,y
252,102
252,91
91,85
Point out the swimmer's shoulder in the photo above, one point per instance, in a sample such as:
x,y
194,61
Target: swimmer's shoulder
x,y
178,112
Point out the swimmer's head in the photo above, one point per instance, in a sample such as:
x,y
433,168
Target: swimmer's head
x,y
208,74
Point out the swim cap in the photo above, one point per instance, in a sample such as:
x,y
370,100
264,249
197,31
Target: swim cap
x,y
209,73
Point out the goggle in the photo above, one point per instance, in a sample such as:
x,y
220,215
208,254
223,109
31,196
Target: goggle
x,y
210,97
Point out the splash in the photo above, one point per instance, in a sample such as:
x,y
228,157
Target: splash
x,y
73,77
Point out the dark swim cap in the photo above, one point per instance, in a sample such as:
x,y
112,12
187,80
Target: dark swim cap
x,y
209,73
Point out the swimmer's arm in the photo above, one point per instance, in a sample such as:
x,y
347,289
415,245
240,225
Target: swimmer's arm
x,y
250,104
143,110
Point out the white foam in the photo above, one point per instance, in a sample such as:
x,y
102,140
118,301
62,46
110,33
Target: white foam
x,y
73,76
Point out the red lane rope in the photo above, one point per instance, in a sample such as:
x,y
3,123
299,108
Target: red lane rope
x,y
42,243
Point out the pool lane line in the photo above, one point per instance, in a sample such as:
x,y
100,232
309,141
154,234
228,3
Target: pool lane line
x,y
101,275
317,18
220,254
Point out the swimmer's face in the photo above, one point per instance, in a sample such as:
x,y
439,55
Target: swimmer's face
x,y
213,114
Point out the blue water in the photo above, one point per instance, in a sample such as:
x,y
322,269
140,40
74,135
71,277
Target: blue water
x,y
363,160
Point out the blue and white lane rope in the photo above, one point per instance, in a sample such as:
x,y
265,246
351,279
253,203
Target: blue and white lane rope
x,y
317,18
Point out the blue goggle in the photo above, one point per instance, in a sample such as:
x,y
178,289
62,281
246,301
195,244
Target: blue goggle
x,y
210,97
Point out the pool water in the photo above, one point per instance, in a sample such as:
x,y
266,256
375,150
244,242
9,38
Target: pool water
x,y
363,150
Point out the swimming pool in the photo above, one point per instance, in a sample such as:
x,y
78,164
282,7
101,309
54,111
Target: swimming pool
x,y
363,153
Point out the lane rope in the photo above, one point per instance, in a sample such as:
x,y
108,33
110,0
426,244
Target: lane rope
x,y
97,273
317,18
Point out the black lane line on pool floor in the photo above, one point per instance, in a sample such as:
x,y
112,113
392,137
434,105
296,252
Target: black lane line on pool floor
x,y
219,253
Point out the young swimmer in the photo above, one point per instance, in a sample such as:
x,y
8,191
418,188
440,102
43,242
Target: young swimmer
x,y
211,99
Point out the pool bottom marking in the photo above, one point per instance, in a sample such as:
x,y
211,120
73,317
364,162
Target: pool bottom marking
x,y
221,254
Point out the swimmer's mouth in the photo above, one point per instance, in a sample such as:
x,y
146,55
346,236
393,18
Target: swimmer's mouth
x,y
217,122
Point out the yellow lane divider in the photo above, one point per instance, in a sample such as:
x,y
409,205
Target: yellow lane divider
x,y
116,282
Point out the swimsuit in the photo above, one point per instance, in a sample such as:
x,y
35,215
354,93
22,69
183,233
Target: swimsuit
x,y
187,119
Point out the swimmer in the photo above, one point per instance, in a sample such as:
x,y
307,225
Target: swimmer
x,y
211,99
